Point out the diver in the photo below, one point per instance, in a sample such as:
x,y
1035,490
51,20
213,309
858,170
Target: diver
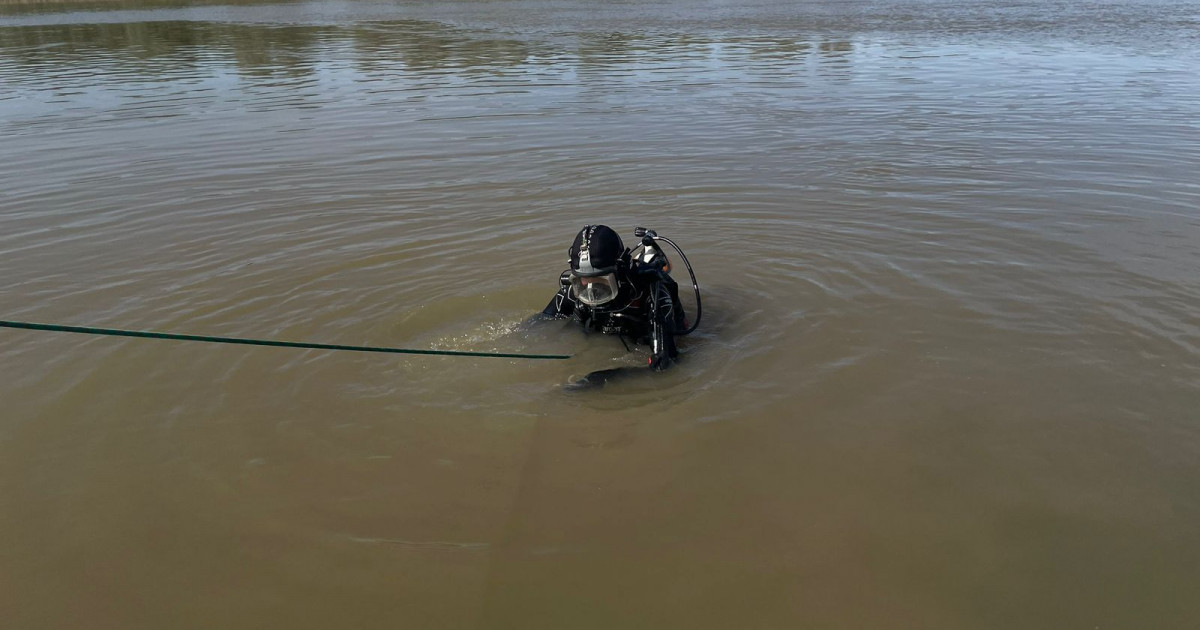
x,y
629,293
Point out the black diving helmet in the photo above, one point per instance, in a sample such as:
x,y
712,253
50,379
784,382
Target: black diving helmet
x,y
596,256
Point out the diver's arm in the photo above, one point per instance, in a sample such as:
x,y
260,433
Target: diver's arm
x,y
662,328
561,305
665,312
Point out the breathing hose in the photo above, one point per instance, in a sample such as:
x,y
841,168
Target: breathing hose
x,y
114,332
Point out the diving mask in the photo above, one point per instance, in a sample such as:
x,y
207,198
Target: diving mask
x,y
594,290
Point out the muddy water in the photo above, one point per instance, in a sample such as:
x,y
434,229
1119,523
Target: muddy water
x,y
947,374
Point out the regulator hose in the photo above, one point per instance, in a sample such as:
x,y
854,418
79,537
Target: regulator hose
x,y
695,285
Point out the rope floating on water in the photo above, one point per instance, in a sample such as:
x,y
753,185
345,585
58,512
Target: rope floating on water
x,y
114,332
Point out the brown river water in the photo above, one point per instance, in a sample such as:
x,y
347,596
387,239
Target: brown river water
x,y
947,375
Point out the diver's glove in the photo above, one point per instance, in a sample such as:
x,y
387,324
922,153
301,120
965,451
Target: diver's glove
x,y
658,363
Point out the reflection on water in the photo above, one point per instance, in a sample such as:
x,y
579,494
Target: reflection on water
x,y
177,47
947,375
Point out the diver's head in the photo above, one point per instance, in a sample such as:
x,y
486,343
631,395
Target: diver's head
x,y
596,258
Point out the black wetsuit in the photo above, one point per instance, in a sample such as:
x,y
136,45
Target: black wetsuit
x,y
646,310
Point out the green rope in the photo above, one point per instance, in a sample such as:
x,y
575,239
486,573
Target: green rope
x,y
265,342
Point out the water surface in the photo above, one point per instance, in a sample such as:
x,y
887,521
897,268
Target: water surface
x,y
947,375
